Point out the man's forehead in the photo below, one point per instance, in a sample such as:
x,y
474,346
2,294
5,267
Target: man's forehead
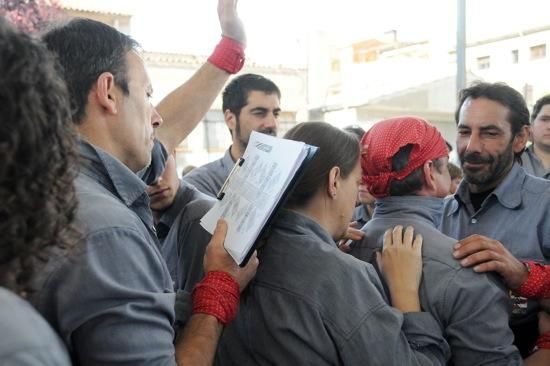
x,y
258,96
483,111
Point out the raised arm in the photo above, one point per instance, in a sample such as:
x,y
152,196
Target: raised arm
x,y
184,107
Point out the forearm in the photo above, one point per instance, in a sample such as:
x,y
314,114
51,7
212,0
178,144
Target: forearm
x,y
197,345
184,107
539,358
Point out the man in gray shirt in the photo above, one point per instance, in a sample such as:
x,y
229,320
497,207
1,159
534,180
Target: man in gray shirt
x,y
497,200
178,208
536,158
250,102
113,301
405,167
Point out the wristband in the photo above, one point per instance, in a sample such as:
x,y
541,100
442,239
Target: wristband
x,y
217,295
543,341
532,287
228,55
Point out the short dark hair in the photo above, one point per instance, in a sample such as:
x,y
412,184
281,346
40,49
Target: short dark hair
x,y
413,182
518,115
38,164
538,106
454,171
85,49
336,148
356,130
235,94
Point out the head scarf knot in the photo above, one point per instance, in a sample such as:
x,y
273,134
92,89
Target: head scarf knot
x,y
385,139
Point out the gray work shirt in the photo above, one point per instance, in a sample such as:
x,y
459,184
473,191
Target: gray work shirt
x,y
459,299
210,177
185,194
27,339
311,304
112,300
185,243
532,164
516,213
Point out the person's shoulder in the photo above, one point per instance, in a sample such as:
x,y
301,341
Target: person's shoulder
x,y
537,185
30,336
208,168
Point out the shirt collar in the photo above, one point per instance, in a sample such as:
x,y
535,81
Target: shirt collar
x,y
428,209
294,221
110,172
508,192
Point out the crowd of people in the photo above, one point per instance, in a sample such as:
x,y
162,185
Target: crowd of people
x,y
375,257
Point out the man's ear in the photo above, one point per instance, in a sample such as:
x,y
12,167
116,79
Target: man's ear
x,y
106,93
520,140
333,181
428,170
230,120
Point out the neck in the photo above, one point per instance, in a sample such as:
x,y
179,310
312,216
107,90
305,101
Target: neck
x,y
235,151
320,210
543,153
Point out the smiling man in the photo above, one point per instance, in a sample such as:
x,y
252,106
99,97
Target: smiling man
x,y
250,103
497,200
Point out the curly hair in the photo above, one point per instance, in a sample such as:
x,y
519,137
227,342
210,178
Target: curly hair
x,y
37,160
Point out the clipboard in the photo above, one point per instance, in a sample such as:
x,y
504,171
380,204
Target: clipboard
x,y
256,188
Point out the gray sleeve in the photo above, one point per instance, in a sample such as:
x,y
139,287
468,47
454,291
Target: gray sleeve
x,y
203,180
115,302
159,155
33,357
478,330
183,250
397,339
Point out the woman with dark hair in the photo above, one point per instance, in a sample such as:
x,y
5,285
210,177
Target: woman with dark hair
x,y
312,304
37,157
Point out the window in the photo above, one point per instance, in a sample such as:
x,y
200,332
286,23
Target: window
x,y
483,62
217,136
538,52
515,56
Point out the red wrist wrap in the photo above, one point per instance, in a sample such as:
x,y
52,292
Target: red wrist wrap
x,y
535,282
228,55
217,295
543,341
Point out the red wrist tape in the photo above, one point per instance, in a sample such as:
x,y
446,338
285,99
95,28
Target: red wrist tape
x,y
543,341
217,295
228,55
534,285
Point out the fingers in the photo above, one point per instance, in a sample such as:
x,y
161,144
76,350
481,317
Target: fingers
x,y
388,235
408,236
474,244
354,234
418,240
397,235
220,232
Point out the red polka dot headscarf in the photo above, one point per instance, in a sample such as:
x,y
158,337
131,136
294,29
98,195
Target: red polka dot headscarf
x,y
383,141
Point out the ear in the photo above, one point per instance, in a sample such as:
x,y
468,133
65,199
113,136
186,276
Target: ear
x,y
230,120
333,182
105,92
428,170
520,140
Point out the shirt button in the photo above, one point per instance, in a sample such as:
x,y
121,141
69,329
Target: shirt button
x,y
474,221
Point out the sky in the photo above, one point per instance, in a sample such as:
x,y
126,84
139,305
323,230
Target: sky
x,y
278,31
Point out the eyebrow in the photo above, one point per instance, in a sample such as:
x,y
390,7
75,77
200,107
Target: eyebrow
x,y
264,110
482,128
